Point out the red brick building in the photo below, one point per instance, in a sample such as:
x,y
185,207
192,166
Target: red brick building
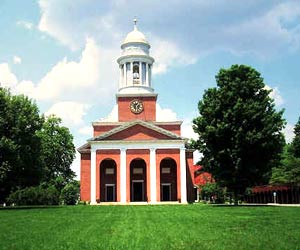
x,y
134,156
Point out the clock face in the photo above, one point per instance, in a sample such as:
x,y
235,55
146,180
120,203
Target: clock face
x,y
136,106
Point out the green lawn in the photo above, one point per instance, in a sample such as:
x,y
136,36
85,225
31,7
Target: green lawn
x,y
150,227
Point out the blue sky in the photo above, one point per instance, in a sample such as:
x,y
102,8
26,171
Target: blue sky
x,y
62,53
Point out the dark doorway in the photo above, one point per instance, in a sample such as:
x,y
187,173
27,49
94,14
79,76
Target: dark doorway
x,y
110,193
195,194
108,180
138,191
168,180
166,192
138,180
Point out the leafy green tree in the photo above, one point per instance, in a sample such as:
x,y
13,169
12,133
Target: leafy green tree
x,y
239,129
295,145
288,172
212,192
58,151
19,144
70,193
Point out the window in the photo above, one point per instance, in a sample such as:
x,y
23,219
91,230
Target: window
x,y
138,171
109,171
165,170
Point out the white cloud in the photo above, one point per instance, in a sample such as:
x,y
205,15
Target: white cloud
x,y
76,166
288,132
187,130
25,87
7,78
17,60
168,54
275,94
113,115
262,29
25,24
71,113
86,130
165,114
93,76
66,77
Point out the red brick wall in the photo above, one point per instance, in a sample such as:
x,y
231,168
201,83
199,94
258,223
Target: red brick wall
x,y
172,128
149,113
100,156
85,177
190,176
100,129
137,132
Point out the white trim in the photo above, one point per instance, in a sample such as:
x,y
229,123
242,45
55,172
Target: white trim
x,y
123,175
93,177
153,197
183,175
103,123
158,144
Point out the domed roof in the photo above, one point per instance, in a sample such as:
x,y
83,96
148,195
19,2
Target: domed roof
x,y
135,36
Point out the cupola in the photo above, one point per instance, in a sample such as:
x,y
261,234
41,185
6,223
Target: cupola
x,y
135,64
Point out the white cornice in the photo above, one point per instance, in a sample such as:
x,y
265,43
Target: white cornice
x,y
136,94
144,144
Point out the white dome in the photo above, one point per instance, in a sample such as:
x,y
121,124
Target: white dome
x,y
135,36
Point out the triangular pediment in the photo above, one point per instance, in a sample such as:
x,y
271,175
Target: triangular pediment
x,y
137,130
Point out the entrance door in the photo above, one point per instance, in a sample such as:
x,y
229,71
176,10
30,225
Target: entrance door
x,y
166,192
110,193
138,191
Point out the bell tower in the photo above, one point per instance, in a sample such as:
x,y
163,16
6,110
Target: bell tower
x,y
136,98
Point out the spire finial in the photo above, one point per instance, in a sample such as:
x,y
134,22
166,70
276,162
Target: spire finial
x,y
135,21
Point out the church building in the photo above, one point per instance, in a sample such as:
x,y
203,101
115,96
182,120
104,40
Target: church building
x,y
136,157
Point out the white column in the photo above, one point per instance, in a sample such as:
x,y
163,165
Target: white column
x,y
93,177
183,175
153,175
123,175
147,74
140,72
131,74
124,75
120,77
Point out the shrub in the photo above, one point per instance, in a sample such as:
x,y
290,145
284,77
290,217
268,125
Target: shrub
x,y
70,193
38,195
212,192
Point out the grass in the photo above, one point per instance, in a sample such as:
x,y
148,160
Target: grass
x,y
150,227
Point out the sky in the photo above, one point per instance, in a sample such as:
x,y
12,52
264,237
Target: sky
x,y
62,53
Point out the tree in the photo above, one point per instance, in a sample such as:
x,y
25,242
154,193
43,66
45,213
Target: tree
x,y
288,172
19,144
57,150
295,145
70,193
239,129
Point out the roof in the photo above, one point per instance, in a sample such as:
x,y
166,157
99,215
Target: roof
x,y
135,36
127,125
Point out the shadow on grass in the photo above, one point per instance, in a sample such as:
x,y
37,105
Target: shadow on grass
x,y
28,207
241,205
